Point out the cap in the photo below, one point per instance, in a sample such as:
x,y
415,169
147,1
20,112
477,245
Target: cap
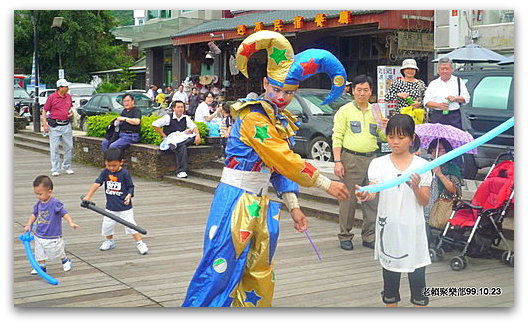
x,y
63,83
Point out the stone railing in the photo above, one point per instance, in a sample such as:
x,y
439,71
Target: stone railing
x,y
146,160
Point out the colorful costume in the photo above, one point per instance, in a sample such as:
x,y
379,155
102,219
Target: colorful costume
x,y
243,227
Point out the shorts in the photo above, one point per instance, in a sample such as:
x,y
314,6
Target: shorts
x,y
109,224
49,249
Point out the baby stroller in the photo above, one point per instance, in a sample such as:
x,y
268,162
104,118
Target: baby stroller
x,y
474,227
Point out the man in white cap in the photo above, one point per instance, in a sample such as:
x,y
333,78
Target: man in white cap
x,y
58,125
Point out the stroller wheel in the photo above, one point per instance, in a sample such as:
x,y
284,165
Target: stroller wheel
x,y
433,255
507,260
458,263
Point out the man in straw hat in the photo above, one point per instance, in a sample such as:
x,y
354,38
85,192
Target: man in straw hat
x,y
243,227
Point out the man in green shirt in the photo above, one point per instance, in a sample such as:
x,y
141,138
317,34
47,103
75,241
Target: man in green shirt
x,y
354,142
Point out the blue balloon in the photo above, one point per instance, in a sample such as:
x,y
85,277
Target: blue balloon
x,y
26,238
374,188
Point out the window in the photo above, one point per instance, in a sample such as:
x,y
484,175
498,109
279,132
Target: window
x,y
295,107
492,92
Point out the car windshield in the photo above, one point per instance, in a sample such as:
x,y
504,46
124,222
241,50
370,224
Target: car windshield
x,y
21,93
85,91
140,99
314,100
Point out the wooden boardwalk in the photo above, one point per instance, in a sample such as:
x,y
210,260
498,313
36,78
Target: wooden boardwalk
x,y
175,218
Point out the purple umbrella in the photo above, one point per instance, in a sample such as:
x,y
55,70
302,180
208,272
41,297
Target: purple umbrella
x,y
431,131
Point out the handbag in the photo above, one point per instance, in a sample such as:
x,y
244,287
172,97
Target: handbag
x,y
440,213
417,114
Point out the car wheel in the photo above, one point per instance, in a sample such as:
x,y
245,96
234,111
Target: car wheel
x,y
470,167
320,149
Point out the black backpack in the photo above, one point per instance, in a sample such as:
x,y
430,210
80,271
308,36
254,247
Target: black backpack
x,y
112,132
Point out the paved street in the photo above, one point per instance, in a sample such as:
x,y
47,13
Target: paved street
x,y
174,217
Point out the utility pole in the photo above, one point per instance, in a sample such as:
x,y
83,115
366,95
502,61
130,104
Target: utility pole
x,y
36,105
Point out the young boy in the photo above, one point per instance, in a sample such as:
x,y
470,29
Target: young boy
x,y
47,214
119,190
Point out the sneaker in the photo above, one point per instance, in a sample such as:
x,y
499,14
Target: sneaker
x,y
181,175
34,272
55,174
142,248
108,244
69,171
66,264
368,244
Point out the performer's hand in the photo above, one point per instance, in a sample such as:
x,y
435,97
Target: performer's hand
x,y
197,140
299,219
339,170
74,225
127,199
27,228
339,191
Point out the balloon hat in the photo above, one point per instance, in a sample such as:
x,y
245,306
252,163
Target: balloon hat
x,y
287,70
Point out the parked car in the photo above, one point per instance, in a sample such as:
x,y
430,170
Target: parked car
x,y
23,103
104,103
492,102
80,93
314,137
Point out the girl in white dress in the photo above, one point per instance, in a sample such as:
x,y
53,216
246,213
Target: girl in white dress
x,y
401,240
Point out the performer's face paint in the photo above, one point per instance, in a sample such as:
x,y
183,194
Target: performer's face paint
x,y
43,193
114,165
277,95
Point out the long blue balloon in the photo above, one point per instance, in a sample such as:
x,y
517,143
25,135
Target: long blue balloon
x,y
26,238
374,188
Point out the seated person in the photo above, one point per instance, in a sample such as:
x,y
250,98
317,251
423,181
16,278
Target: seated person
x,y
178,122
128,123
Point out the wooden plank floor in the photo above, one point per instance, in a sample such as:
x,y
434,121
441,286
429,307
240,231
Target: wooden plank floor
x,y
175,218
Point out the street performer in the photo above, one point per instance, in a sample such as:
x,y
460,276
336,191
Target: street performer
x,y
243,227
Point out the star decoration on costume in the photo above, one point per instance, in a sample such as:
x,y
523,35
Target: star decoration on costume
x,y
252,297
261,133
309,67
278,55
232,162
249,49
309,169
244,235
254,209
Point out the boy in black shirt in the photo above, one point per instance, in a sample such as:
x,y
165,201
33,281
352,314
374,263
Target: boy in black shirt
x,y
119,190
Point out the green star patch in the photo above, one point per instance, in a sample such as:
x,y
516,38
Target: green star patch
x,y
261,133
254,209
278,55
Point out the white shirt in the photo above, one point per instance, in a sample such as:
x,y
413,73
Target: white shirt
x,y
180,96
438,90
401,240
201,111
165,120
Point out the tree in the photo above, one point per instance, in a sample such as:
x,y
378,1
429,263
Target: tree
x,y
84,40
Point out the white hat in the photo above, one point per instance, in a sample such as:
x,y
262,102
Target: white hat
x,y
409,64
63,83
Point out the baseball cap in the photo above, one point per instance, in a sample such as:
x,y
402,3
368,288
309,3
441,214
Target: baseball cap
x,y
63,83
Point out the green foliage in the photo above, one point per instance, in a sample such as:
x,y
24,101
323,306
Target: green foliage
x,y
97,124
108,87
97,128
146,131
203,129
125,77
84,41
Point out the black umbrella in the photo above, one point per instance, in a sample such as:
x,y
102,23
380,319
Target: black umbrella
x,y
473,53
508,60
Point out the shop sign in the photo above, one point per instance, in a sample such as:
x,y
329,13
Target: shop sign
x,y
414,41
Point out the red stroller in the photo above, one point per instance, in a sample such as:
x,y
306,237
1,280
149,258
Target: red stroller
x,y
482,218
